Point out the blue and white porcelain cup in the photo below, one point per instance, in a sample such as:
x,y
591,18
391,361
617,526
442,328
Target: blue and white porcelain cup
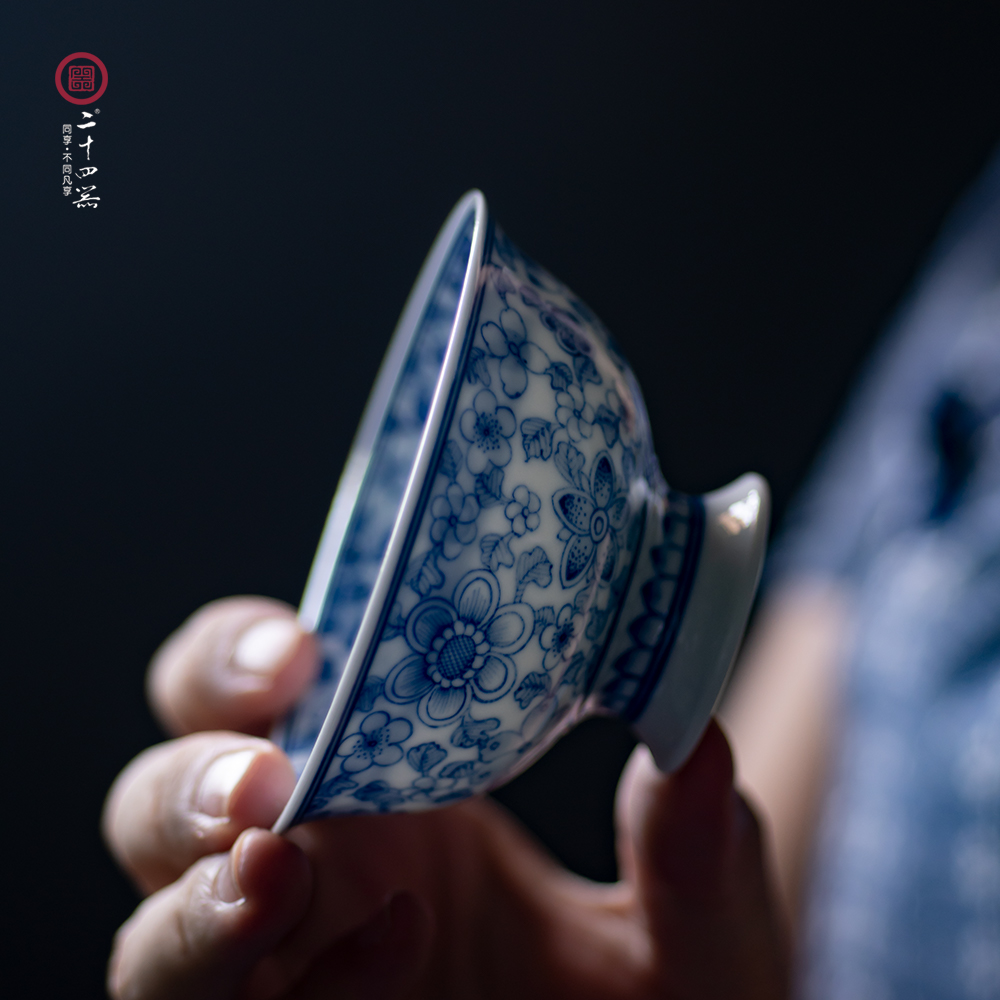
x,y
503,557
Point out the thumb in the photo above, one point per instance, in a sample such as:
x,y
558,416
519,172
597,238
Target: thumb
x,y
692,849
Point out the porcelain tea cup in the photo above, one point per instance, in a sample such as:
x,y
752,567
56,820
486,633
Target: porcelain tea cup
x,y
502,556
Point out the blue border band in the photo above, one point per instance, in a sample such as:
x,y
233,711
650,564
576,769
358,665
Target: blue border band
x,y
685,581
411,535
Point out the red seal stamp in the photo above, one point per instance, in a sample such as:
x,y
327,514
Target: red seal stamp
x,y
81,78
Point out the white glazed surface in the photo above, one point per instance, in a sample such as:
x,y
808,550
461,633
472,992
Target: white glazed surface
x,y
736,523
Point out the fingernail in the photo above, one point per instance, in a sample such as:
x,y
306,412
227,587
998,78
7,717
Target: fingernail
x,y
266,646
220,779
227,885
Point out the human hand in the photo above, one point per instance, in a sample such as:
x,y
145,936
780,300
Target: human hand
x,y
456,902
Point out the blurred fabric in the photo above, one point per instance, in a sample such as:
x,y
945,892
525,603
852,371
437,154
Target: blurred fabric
x,y
905,510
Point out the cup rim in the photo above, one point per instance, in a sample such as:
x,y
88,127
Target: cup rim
x,y
356,466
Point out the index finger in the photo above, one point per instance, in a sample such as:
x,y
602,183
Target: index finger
x,y
237,664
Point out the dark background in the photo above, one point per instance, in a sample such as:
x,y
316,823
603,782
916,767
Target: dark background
x,y
741,191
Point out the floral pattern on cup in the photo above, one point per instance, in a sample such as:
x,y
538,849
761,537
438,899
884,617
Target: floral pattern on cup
x,y
589,518
507,339
378,743
488,428
522,511
454,524
574,413
462,650
559,640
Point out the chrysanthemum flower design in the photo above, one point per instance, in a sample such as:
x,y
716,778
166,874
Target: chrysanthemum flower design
x,y
589,519
377,743
454,524
522,511
488,428
462,650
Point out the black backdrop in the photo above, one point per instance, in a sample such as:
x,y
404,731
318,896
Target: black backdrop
x,y
740,190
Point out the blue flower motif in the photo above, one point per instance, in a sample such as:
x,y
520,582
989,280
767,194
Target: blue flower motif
x,y
522,511
589,518
565,326
575,413
508,340
462,650
377,743
560,639
454,524
487,427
